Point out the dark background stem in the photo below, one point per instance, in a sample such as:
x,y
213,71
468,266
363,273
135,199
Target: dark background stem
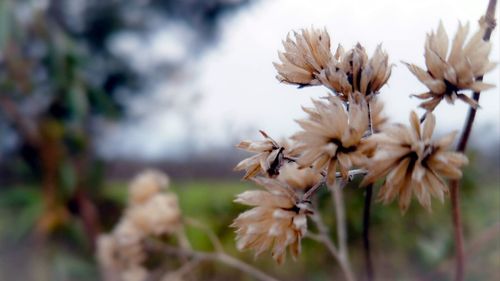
x,y
366,234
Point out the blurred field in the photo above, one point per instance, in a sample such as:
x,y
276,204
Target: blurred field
x,y
416,246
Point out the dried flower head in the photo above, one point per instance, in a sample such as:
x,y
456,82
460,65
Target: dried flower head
x,y
159,215
146,185
332,135
304,58
299,179
278,219
354,72
413,163
450,73
268,159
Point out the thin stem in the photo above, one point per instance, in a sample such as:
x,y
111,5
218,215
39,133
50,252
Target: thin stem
x,y
352,173
219,257
338,199
366,217
461,147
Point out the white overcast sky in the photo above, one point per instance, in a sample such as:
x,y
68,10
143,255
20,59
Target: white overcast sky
x,y
237,80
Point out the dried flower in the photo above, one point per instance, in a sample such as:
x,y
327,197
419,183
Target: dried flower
x,y
413,162
304,58
146,185
354,72
331,135
299,179
278,219
450,73
268,159
159,215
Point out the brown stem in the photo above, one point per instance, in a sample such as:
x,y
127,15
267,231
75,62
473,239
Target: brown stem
x,y
461,147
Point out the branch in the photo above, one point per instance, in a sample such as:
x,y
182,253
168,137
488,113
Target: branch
x,y
214,257
338,202
461,147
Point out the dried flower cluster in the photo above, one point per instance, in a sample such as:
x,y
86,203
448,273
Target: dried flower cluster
x,y
347,129
413,162
276,221
150,212
453,70
308,61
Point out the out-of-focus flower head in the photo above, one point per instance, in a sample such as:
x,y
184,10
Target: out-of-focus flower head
x,y
332,137
453,70
413,163
267,160
353,71
159,215
150,212
146,185
304,58
276,221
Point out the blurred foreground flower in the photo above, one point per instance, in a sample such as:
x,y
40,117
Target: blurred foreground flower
x,y
450,73
413,163
278,219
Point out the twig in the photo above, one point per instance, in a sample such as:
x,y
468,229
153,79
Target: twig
x,y
323,235
338,202
215,257
352,173
461,147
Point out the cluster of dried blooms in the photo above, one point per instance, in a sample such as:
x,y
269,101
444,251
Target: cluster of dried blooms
x,y
150,212
347,129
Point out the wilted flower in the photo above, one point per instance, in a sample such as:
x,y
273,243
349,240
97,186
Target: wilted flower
x,y
268,159
278,219
413,163
304,58
299,179
354,72
449,73
146,185
331,135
